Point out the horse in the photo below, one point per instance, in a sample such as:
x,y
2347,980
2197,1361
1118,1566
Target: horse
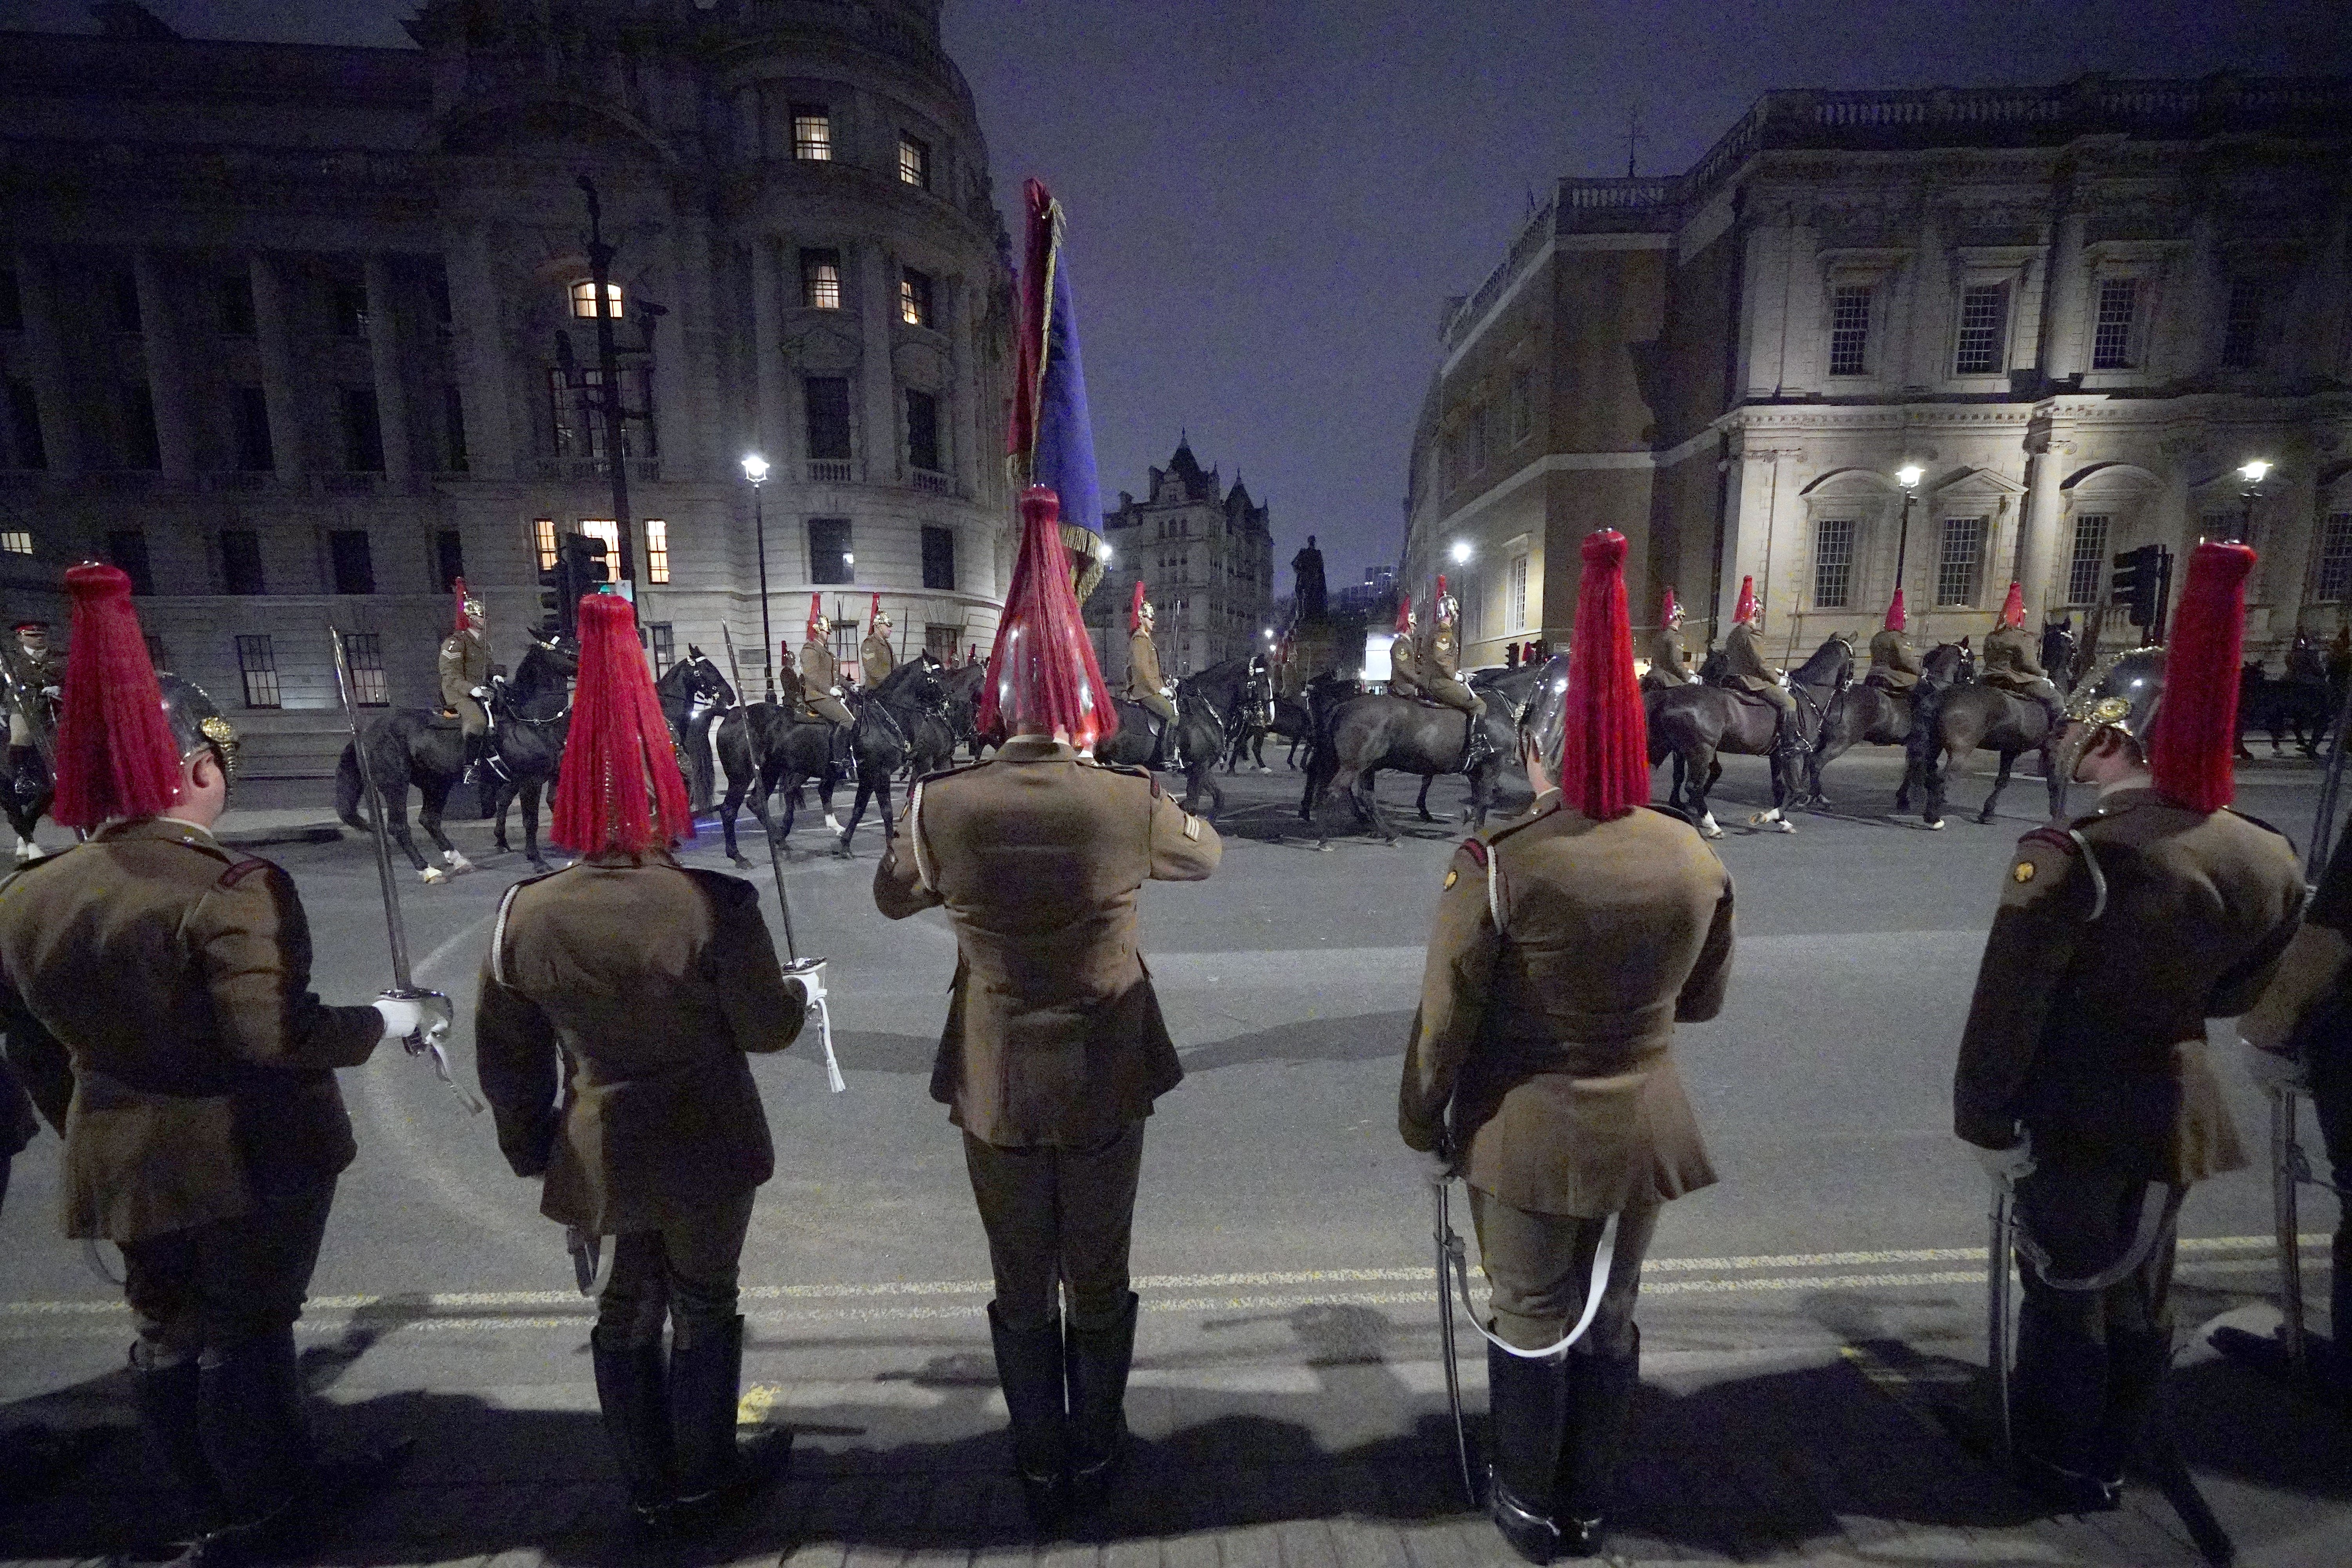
x,y
1355,737
417,746
917,700
959,693
1953,720
2304,707
1694,723
1872,715
693,694
1201,732
25,797
879,747
763,749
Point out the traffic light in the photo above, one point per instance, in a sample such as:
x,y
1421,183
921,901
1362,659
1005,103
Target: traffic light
x,y
558,607
579,568
2141,582
594,568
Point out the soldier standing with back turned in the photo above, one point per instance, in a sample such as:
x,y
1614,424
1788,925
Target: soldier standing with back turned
x,y
1567,946
155,991
2082,1077
1055,1049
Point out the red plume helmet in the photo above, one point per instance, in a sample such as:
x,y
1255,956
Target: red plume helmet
x,y
1441,588
816,614
1745,609
874,613
116,756
458,587
2194,732
1896,619
1404,614
618,789
2012,609
1604,757
1042,674
1135,609
1668,609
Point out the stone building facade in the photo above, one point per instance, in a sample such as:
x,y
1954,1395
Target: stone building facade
x,y
2077,310
284,330
1204,554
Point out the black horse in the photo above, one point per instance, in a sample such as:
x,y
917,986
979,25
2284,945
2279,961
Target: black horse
x,y
2304,707
1199,731
916,697
1872,715
763,749
1694,723
693,695
1357,736
25,797
1956,719
417,746
960,698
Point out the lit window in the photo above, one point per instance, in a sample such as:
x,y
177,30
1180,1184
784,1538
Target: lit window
x,y
1960,569
364,651
605,532
657,550
2111,340
821,280
583,300
1984,327
2088,562
1833,563
15,542
2335,559
915,161
257,664
1850,329
2242,329
1519,593
542,542
915,297
812,133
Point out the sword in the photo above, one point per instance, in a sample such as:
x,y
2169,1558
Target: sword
x,y
2286,1169
403,983
1449,1253
733,669
2004,1221
587,1252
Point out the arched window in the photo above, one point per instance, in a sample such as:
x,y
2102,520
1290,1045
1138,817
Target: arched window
x,y
583,300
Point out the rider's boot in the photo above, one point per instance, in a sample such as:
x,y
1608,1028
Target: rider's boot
x,y
1482,745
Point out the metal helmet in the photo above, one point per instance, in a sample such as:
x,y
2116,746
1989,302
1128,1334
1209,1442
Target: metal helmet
x,y
197,723
1543,724
2121,693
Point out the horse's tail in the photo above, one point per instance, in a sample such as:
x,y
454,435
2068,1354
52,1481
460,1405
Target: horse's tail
x,y
349,787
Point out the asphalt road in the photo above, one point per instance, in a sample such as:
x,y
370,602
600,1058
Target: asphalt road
x,y
1282,1231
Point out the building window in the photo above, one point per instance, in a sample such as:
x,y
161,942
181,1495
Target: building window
x,y
125,300
2335,557
1833,563
2086,565
914,297
347,303
1850,329
126,549
256,661
240,550
583,300
606,532
2110,340
1523,405
1473,609
923,431
1984,330
830,560
914,162
364,652
25,425
821,280
453,426
661,637
449,557
828,418
1516,592
142,447
354,565
15,542
542,542
249,408
234,299
1959,566
362,431
2241,327
939,560
2229,525
812,133
12,302
656,550
939,642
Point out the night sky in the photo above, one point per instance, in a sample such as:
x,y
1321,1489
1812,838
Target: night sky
x,y
1269,204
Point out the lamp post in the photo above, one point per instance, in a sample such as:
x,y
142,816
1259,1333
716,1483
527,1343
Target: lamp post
x,y
2252,473
1461,553
1909,476
755,469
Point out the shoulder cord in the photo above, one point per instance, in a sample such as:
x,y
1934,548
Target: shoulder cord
x,y
923,873
1593,1289
2098,877
498,935
1494,890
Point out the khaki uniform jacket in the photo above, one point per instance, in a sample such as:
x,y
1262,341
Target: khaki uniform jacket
x,y
1143,677
1404,667
1668,658
616,1005
819,671
1892,664
155,990
1743,664
465,664
1562,955
2010,658
1054,1034
1438,663
2113,944
874,654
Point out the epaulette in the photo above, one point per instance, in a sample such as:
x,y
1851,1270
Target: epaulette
x,y
244,869
2069,842
499,926
1678,812
950,772
1497,834
2057,838
1146,774
2258,822
1476,849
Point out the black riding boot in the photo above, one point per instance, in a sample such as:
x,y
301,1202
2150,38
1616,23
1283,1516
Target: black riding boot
x,y
1527,1411
2137,1362
1029,1366
1600,1397
170,1399
256,1437
633,1392
1095,1365
714,1471
1482,745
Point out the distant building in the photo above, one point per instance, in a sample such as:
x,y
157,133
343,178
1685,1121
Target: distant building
x,y
1205,555
2078,308
280,330
1378,588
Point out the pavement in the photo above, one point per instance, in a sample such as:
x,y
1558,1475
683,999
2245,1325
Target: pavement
x,y
1288,1398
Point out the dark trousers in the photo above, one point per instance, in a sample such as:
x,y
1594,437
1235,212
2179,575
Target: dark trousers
x,y
2090,1362
197,1290
1539,1267
1057,1217
686,1271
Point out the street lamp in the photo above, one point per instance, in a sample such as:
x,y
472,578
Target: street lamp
x,y
1461,552
2252,473
1909,476
755,469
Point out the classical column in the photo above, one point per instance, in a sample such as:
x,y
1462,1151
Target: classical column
x,y
877,310
964,448
676,426
167,374
385,334
2037,533
1747,530
278,392
52,379
1928,301
768,356
482,357
1765,258
2063,334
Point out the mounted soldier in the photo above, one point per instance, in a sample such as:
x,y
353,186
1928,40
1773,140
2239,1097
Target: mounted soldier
x,y
36,676
1895,665
2013,664
154,989
819,676
1670,663
1055,1049
1566,946
2305,665
1404,654
1438,665
617,1004
874,654
2082,1083
466,670
791,697
1145,685
1745,669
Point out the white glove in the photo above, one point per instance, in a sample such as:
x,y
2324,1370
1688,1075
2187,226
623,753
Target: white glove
x,y
479,693
1437,1166
2275,1070
2011,1165
427,1014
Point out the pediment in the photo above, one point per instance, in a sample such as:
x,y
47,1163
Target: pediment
x,y
1973,483
822,348
921,366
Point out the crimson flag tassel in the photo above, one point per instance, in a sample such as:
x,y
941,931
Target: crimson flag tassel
x,y
2194,735
1604,755
116,757
1041,673
619,789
